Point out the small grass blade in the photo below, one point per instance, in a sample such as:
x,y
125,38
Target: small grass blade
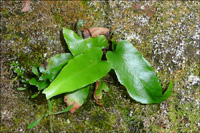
x,y
65,110
21,88
35,123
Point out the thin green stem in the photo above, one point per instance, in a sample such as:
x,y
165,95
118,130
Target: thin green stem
x,y
51,126
49,113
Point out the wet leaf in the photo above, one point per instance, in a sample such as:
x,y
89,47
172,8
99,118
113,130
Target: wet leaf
x,y
21,88
77,98
136,74
55,64
35,123
77,45
100,86
35,71
79,72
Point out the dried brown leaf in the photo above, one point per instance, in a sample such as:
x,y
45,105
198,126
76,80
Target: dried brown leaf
x,y
75,105
95,31
97,98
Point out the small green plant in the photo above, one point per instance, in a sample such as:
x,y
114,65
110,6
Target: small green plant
x,y
19,71
42,79
72,73
20,74
87,66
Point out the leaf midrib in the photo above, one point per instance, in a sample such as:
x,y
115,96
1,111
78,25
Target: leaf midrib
x,y
75,75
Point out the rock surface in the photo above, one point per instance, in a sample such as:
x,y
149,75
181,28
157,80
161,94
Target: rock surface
x,y
165,32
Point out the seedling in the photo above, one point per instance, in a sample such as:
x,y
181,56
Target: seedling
x,y
20,72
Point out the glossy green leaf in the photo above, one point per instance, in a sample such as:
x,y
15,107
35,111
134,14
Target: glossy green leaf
x,y
33,81
35,123
43,85
99,41
65,110
77,45
74,42
41,69
21,88
55,64
79,72
136,74
35,71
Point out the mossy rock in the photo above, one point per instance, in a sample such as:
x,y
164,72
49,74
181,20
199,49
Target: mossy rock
x,y
167,38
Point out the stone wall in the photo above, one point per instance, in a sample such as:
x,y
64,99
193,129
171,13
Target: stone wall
x,y
165,32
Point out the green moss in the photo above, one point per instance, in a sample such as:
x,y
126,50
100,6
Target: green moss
x,y
101,120
58,18
182,115
122,113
